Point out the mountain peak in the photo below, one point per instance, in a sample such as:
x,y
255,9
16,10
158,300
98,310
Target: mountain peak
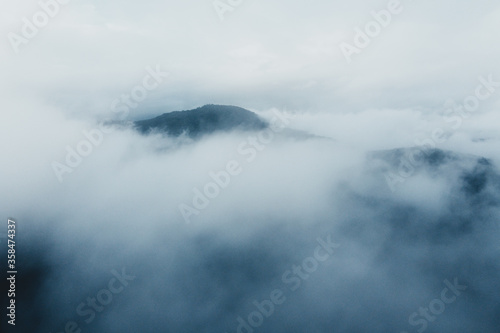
x,y
207,119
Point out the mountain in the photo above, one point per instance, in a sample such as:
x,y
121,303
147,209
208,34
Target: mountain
x,y
203,120
474,177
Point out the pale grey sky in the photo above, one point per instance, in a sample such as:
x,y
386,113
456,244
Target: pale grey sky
x,y
279,54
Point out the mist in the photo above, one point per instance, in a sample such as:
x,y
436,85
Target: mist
x,y
119,209
368,203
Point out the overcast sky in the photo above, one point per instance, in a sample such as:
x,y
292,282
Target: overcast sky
x,y
278,54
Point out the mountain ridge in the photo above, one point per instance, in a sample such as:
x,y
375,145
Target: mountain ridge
x,y
204,120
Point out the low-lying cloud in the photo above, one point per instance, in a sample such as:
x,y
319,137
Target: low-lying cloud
x,y
119,210
415,226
